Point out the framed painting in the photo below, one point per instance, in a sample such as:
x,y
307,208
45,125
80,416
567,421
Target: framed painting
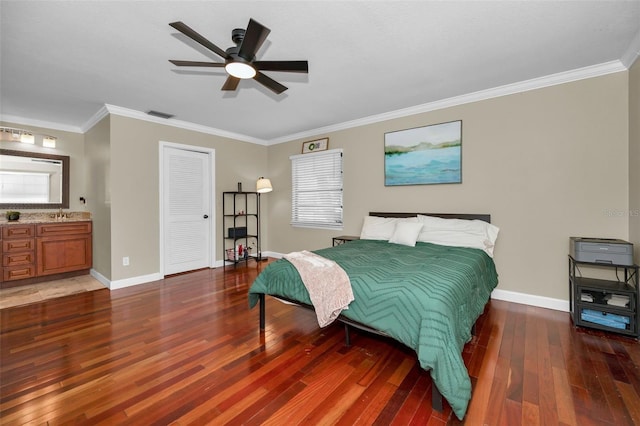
x,y
424,155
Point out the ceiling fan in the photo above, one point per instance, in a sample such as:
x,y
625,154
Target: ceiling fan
x,y
239,60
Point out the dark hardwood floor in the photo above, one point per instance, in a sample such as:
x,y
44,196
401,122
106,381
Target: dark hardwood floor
x,y
187,350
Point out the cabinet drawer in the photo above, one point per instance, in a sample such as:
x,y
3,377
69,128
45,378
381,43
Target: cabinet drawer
x,y
13,246
18,231
18,272
16,259
53,229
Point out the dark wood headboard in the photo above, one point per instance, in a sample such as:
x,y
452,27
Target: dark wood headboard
x,y
467,216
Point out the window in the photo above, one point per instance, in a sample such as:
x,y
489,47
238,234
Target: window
x,y
316,199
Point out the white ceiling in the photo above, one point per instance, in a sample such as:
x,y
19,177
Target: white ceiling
x,y
62,61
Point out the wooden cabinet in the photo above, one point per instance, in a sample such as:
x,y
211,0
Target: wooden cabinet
x,y
18,252
63,247
37,250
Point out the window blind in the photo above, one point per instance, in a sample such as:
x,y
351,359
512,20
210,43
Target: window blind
x,y
24,187
316,199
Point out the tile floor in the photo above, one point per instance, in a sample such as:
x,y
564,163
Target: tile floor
x,y
23,295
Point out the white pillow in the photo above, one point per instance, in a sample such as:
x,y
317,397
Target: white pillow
x,y
406,233
459,233
378,228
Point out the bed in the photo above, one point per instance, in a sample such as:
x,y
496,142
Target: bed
x,y
427,297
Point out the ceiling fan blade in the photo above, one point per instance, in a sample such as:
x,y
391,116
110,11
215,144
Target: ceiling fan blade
x,y
196,63
254,36
193,35
269,83
231,83
285,66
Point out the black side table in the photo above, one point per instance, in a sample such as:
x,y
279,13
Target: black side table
x,y
344,239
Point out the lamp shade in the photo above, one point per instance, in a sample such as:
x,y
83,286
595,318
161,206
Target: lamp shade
x,y
49,142
263,185
27,138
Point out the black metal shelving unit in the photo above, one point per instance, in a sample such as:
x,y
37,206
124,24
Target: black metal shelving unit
x,y
240,209
589,298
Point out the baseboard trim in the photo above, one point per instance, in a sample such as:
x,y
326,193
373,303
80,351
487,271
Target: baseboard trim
x,y
101,278
272,254
127,282
531,300
498,294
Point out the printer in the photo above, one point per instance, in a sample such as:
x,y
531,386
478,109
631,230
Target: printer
x,y
601,250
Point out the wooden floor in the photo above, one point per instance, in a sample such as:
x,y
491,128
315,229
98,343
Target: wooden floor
x,y
187,350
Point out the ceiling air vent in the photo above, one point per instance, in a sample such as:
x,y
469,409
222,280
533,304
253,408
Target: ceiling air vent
x,y
160,114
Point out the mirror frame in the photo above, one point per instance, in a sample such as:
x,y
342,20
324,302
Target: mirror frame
x,y
65,181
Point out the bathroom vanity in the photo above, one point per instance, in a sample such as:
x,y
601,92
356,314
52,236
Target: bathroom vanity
x,y
39,250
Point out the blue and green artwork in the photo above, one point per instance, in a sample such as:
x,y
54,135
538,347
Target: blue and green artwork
x,y
424,155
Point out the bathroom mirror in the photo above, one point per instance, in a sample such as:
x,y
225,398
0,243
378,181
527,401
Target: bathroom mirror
x,y
33,180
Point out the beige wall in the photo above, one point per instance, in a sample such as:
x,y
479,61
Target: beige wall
x,y
135,187
546,164
98,182
68,143
115,167
634,157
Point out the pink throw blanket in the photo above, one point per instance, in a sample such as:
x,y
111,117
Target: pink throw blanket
x,y
327,283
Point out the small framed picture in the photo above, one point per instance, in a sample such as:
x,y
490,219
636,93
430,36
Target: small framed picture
x,y
317,145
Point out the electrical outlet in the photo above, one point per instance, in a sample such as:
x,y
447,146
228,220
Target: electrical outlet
x,y
125,261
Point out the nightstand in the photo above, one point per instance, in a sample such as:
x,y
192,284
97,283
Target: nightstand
x,y
605,304
344,239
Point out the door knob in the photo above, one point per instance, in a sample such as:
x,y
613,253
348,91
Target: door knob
x,y
206,216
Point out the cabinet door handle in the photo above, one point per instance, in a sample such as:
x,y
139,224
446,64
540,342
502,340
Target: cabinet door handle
x,y
206,216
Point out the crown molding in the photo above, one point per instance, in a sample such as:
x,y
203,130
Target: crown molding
x,y
632,53
138,115
95,119
39,123
509,89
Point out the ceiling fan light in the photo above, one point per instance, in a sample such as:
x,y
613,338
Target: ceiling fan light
x,y
240,70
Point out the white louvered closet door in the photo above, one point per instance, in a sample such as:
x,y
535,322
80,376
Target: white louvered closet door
x,y
187,227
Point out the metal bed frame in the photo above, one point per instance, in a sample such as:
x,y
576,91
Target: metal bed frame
x,y
436,396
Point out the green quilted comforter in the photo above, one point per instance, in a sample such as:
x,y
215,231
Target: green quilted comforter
x,y
427,297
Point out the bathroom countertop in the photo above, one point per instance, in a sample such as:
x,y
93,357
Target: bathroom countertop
x,y
32,221
46,217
